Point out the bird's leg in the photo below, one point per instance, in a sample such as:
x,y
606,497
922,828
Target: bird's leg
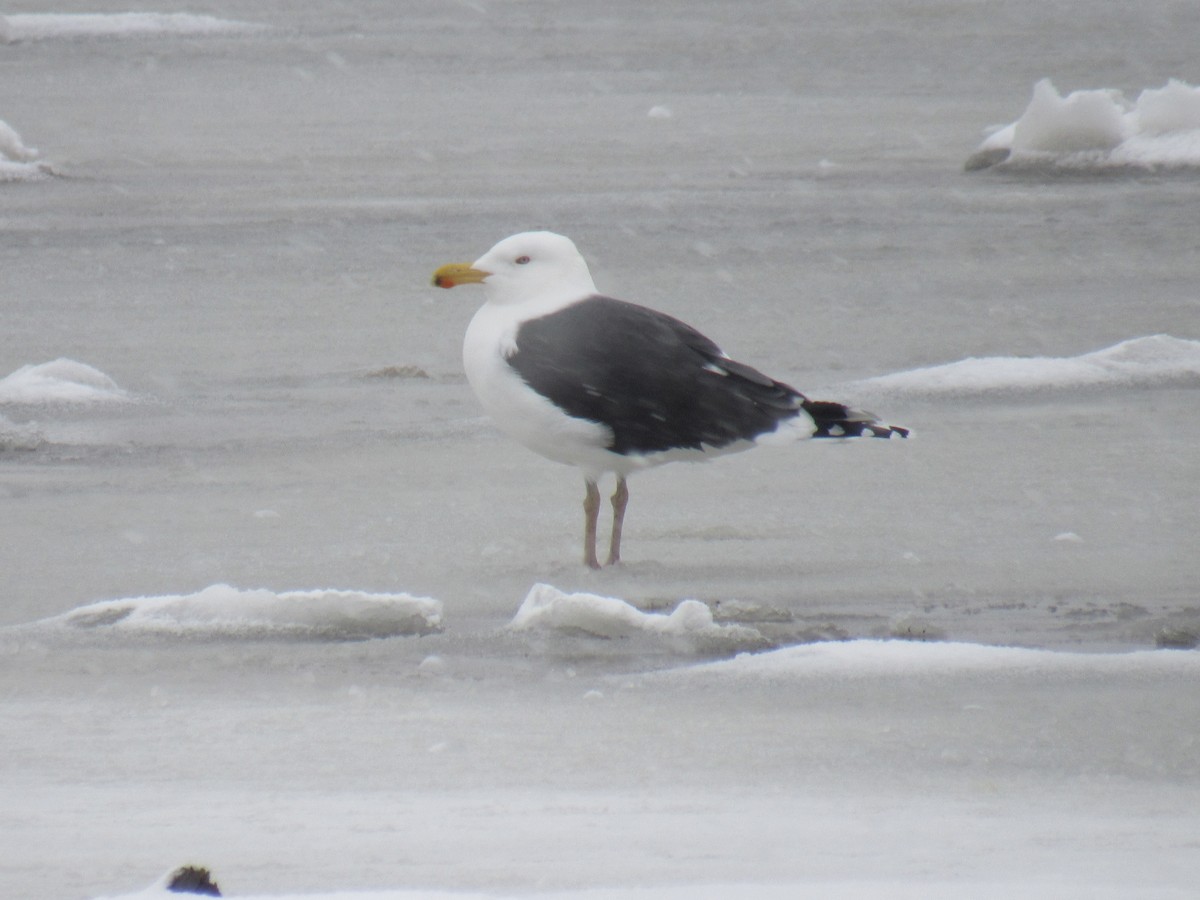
x,y
620,500
591,512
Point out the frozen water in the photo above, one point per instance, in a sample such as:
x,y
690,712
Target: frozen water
x,y
234,255
843,891
1099,129
842,768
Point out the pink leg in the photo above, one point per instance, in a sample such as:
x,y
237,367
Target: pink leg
x,y
620,499
591,512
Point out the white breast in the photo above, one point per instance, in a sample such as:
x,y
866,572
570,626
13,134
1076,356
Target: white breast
x,y
520,411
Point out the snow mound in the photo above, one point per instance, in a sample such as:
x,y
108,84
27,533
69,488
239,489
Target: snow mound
x,y
60,381
227,612
877,658
12,147
1099,129
689,626
1155,361
18,161
67,26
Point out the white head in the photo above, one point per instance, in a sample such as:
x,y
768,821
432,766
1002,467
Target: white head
x,y
535,266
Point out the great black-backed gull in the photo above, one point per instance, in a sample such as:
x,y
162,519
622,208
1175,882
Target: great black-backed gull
x,y
609,386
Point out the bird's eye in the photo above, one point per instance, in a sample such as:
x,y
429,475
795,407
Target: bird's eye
x,y
522,260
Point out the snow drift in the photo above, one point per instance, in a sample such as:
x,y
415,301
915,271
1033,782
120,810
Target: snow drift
x,y
1155,361
226,612
931,659
689,626
50,26
60,381
18,161
1098,129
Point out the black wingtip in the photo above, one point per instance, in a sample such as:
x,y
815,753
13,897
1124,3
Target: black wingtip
x,y
836,420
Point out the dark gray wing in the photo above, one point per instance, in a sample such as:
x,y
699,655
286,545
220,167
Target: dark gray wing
x,y
656,382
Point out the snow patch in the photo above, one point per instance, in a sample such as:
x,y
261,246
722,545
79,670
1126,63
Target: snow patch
x,y
547,609
60,381
1099,129
68,26
12,147
903,658
228,612
1155,361
18,161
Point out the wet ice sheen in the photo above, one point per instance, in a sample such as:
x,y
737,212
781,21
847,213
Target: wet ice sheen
x,y
235,228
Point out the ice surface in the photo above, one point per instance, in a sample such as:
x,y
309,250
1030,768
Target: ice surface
x,y
865,890
1155,361
227,612
959,770
242,242
60,381
1099,129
